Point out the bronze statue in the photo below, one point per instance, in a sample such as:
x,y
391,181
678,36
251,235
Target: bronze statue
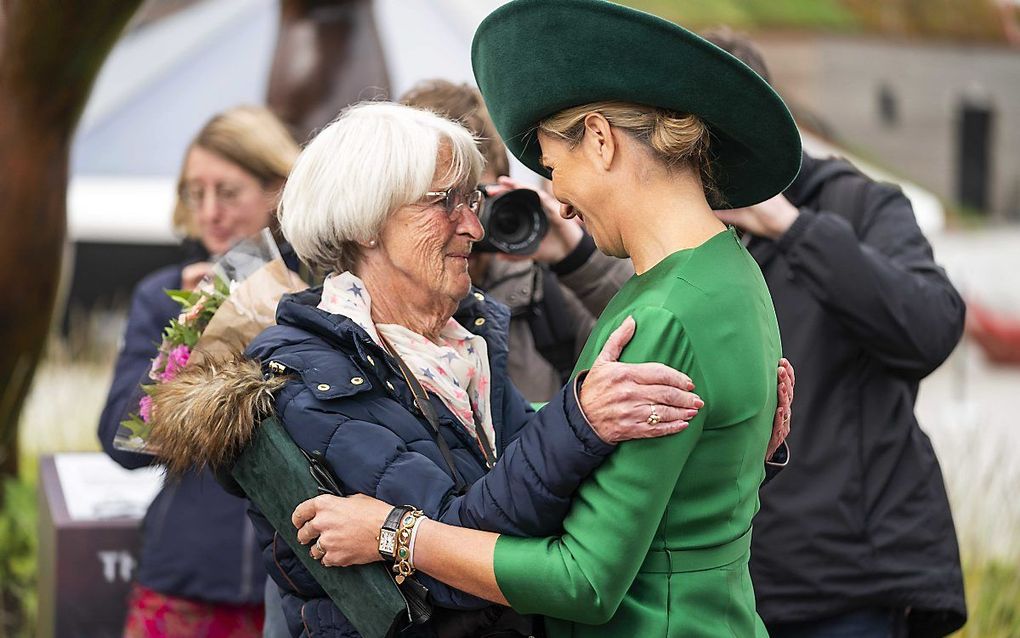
x,y
328,56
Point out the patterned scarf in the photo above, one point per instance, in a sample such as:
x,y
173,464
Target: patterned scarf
x,y
456,370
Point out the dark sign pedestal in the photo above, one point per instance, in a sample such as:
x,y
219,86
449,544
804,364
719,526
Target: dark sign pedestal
x,y
89,520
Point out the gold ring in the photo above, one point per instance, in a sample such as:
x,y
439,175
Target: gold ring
x,y
653,418
320,549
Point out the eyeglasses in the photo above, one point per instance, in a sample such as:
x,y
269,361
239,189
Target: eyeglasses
x,y
452,200
226,195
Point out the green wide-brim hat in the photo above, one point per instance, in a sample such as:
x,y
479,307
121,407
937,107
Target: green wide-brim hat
x,y
535,58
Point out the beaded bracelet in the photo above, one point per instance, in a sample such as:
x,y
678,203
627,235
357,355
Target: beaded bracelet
x,y
403,565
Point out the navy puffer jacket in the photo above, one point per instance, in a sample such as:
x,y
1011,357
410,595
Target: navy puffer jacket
x,y
349,401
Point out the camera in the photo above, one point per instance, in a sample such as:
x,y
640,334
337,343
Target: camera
x,y
514,222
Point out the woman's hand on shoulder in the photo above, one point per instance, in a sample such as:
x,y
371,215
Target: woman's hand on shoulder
x,y
343,530
624,401
781,421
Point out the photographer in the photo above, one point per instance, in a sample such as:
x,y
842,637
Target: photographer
x,y
856,537
554,291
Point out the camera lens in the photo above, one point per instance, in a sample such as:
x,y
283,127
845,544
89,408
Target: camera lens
x,y
514,223
508,224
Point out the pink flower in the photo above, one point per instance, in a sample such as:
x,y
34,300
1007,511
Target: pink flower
x,y
157,366
175,361
195,310
145,408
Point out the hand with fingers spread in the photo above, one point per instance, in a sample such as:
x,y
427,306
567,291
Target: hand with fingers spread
x,y
342,530
624,401
781,422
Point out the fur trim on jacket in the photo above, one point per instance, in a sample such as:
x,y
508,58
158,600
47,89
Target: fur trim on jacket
x,y
207,414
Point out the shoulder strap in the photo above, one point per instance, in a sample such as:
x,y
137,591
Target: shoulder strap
x,y
325,480
427,410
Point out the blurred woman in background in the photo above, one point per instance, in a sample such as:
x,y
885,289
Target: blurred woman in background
x,y
200,572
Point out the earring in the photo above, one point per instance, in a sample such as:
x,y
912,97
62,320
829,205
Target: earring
x,y
372,243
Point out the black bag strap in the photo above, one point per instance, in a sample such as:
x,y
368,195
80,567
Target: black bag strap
x,y
424,405
326,481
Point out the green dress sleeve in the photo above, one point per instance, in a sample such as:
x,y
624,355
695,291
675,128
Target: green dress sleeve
x,y
584,574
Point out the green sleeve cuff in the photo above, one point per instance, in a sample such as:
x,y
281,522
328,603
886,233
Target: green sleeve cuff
x,y
514,563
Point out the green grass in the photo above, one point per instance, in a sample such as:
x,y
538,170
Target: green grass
x,y
993,600
935,19
18,557
753,14
967,218
60,415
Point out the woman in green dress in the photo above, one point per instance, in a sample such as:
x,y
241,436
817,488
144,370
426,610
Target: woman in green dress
x,y
644,129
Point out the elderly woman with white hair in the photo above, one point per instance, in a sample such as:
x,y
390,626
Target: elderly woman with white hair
x,y
393,372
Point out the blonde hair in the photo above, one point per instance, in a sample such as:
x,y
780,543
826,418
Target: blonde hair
x,y
250,137
374,159
677,140
463,104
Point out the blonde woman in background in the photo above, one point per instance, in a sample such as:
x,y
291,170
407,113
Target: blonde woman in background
x,y
200,572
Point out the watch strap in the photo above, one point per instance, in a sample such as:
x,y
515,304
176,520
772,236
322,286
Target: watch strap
x,y
388,532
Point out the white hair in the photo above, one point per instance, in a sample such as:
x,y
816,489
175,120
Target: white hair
x,y
375,158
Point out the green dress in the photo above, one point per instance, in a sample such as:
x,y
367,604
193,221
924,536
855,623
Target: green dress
x,y
657,539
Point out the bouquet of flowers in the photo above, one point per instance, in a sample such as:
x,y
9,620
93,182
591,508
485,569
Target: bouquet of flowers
x,y
204,406
227,309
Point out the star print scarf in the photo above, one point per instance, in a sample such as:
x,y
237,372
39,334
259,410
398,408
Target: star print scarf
x,y
456,370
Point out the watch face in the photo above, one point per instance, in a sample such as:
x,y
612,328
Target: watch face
x,y
386,539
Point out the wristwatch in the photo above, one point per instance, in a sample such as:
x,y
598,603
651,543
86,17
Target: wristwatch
x,y
388,532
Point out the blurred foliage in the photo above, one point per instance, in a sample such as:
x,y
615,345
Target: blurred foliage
x,y
961,20
753,14
18,567
962,217
993,600
965,20
75,371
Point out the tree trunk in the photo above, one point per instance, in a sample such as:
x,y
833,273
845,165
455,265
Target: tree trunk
x,y
50,54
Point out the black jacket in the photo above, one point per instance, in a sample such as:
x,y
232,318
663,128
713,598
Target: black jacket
x,y
860,516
